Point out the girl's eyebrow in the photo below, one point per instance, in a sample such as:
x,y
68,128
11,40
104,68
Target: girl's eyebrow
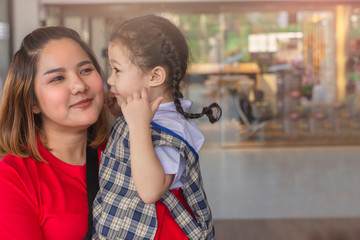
x,y
57,70
114,61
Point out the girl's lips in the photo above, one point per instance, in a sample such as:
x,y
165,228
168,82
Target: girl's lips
x,y
114,93
83,103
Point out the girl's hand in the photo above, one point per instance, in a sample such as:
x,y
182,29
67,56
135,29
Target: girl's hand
x,y
112,104
138,111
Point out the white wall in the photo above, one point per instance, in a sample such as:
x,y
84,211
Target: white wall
x,y
4,43
26,17
99,39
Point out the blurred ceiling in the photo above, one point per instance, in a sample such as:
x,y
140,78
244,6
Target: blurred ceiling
x,y
134,7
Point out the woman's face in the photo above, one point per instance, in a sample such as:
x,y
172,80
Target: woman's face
x,y
68,88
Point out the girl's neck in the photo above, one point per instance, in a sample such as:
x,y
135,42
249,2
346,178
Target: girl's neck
x,y
158,92
67,147
167,99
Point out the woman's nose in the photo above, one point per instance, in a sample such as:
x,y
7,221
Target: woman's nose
x,y
78,85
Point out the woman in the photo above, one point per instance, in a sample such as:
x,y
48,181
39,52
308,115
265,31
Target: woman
x,y
51,114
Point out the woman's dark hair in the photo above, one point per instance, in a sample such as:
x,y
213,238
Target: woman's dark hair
x,y
155,41
19,126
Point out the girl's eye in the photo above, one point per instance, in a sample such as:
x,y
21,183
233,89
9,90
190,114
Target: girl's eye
x,y
116,70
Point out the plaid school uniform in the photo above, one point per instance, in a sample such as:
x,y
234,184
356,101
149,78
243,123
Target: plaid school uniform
x,y
119,212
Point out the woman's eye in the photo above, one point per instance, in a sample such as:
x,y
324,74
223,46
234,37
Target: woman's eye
x,y
57,78
86,70
116,70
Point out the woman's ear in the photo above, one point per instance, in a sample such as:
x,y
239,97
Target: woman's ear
x,y
158,76
36,109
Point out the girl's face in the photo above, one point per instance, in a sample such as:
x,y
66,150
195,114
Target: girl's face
x,y
126,77
68,88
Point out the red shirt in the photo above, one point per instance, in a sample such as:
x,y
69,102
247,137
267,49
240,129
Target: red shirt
x,y
42,200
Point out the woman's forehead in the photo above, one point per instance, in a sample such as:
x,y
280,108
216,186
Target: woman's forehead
x,y
61,52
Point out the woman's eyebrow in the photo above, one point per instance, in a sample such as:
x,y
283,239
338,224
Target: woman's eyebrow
x,y
57,70
80,64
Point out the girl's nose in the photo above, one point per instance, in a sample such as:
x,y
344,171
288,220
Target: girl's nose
x,y
110,80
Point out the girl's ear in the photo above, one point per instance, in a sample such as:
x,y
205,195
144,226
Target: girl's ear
x,y
158,76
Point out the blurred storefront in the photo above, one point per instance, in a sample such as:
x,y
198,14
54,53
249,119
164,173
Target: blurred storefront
x,y
285,72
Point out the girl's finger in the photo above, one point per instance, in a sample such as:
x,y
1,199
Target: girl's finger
x,y
154,105
144,93
136,95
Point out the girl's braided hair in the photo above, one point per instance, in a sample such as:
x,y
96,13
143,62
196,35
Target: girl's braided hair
x,y
155,41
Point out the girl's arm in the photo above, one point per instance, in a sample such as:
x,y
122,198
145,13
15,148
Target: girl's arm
x,y
148,174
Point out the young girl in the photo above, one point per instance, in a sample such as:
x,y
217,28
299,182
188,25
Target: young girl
x,y
150,180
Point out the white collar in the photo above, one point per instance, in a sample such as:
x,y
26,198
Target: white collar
x,y
170,106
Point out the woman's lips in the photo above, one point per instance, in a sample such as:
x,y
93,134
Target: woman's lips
x,y
83,103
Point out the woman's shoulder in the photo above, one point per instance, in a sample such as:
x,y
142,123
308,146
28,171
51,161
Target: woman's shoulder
x,y
18,174
16,164
14,160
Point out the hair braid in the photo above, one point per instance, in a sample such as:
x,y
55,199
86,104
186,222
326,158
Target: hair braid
x,y
173,58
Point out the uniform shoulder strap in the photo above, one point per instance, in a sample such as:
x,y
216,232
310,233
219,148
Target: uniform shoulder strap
x,y
92,184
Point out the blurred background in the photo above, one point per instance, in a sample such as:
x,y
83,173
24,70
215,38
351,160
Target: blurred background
x,y
283,163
